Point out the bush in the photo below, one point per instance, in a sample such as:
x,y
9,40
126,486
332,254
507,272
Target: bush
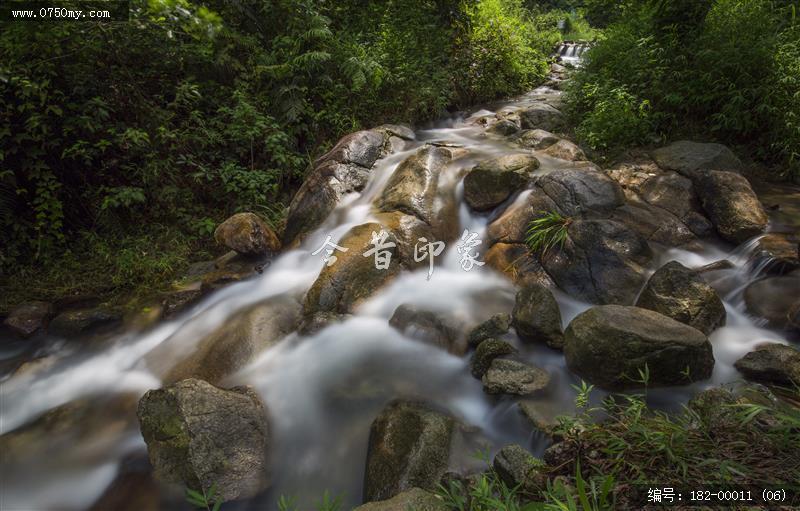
x,y
617,118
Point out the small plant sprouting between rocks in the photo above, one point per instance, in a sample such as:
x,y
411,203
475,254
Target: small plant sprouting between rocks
x,y
327,503
208,500
547,231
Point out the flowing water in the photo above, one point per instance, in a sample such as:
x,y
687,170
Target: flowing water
x,y
324,390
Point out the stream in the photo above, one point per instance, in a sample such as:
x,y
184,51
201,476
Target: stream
x,y
323,390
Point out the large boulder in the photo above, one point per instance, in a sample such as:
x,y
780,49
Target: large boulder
x,y
511,226
536,139
778,252
430,327
536,316
414,189
29,318
675,193
600,262
542,116
407,230
85,322
771,363
575,191
776,299
344,169
565,150
681,294
490,183
505,376
409,447
515,261
203,436
414,499
247,234
731,204
609,345
689,158
352,277
653,223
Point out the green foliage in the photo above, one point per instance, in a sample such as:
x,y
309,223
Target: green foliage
x,y
327,503
207,500
667,69
596,494
548,231
487,493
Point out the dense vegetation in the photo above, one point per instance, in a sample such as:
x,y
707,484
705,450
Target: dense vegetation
x,y
722,69
122,144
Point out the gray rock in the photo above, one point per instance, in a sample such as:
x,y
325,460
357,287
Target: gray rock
x,y
503,127
771,363
430,327
681,294
515,261
414,499
85,321
491,182
409,447
732,205
675,194
247,234
29,318
513,377
688,158
543,116
776,299
536,316
486,352
578,191
518,468
344,169
608,345
653,223
201,435
565,150
496,326
536,139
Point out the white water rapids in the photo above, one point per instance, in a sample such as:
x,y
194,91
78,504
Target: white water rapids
x,y
324,390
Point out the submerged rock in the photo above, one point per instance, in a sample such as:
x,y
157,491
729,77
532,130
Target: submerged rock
x,y
537,317
486,352
732,205
771,363
609,345
688,158
681,294
490,183
513,377
429,326
204,436
414,499
409,447
247,234
29,318
776,299
344,169
496,326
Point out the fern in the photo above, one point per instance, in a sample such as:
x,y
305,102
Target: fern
x,y
547,232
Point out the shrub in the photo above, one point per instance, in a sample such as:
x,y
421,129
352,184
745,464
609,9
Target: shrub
x,y
617,118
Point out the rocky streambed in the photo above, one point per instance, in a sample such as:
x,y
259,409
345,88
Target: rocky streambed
x,y
400,322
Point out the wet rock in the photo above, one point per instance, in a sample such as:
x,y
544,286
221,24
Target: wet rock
x,y
134,488
516,262
409,447
608,345
320,321
565,150
407,229
513,377
776,299
601,262
29,318
578,191
536,316
722,264
430,327
512,226
653,223
486,352
344,169
778,252
496,326
771,363
202,436
414,189
232,346
397,130
731,204
542,116
352,277
414,499
679,293
85,321
247,234
180,300
536,139
675,194
490,183
688,158
539,421
518,468
503,127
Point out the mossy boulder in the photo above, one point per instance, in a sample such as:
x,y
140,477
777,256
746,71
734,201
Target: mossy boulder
x,y
409,447
771,363
731,204
610,345
518,468
247,234
85,322
203,436
513,377
495,326
486,352
689,158
29,318
414,499
681,294
490,183
536,316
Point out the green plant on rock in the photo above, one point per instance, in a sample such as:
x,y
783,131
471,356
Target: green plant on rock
x,y
208,500
328,503
548,231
